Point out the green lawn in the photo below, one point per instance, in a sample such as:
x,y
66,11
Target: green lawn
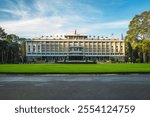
x,y
75,68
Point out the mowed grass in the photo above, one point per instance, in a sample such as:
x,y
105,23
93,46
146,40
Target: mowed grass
x,y
75,68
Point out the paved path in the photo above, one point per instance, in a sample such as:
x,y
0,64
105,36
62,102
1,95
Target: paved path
x,y
109,86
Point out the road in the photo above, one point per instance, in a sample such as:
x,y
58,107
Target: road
x,y
75,87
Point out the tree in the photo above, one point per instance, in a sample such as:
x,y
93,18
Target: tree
x,y
139,29
12,48
23,49
3,44
146,49
2,34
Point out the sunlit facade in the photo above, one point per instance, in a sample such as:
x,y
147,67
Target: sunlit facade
x,y
75,48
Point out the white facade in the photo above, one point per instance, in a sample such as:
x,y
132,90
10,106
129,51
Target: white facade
x,y
75,47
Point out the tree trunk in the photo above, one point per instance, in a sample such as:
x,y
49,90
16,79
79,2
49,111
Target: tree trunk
x,y
144,57
2,57
141,57
11,57
147,58
7,57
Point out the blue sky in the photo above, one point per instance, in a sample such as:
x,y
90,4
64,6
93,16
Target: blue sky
x,y
33,18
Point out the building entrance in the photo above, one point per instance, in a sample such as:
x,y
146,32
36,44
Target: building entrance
x,y
76,53
76,57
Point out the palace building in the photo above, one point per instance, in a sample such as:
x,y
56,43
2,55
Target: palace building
x,y
75,47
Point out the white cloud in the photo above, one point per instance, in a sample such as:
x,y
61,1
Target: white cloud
x,y
34,27
17,9
50,6
57,25
16,12
56,17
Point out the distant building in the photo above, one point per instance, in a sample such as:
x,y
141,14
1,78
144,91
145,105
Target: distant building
x,y
75,47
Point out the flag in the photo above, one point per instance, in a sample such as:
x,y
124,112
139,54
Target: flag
x,y
75,32
122,37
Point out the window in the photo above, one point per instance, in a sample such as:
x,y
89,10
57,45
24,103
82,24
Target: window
x,y
81,43
43,47
29,50
38,48
75,43
34,48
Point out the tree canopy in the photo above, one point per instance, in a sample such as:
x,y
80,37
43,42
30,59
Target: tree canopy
x,y
138,36
139,27
11,51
